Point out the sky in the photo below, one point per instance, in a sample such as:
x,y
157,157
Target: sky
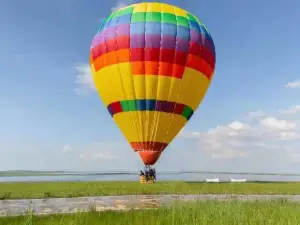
x,y
51,117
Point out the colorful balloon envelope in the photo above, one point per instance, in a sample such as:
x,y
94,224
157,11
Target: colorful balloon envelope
x,y
152,64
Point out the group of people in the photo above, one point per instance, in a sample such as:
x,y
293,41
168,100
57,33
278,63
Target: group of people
x,y
149,173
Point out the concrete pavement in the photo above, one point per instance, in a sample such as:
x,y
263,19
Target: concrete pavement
x,y
127,202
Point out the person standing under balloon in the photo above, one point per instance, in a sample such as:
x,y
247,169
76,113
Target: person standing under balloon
x,y
154,174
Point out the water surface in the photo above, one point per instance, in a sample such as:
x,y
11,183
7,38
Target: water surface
x,y
160,176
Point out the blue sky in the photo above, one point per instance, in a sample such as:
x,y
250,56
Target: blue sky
x,y
52,119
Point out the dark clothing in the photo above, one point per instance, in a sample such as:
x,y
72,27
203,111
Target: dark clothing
x,y
147,175
154,174
151,173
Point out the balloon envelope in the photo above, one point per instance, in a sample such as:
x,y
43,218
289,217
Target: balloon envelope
x,y
152,64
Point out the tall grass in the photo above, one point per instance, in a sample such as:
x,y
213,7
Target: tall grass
x,y
210,212
77,189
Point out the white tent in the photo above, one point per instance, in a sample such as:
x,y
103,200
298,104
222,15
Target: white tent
x,y
238,180
214,180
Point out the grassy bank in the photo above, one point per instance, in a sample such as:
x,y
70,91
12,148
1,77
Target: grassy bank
x,y
77,189
211,212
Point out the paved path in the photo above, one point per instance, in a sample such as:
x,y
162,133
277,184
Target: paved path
x,y
127,202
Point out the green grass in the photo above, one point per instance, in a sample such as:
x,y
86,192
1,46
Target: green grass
x,y
77,189
210,212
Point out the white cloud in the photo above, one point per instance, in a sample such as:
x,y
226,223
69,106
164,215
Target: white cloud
x,y
274,123
256,114
185,134
67,149
292,110
229,154
237,125
101,154
295,84
95,150
84,80
120,4
104,155
98,151
240,139
290,135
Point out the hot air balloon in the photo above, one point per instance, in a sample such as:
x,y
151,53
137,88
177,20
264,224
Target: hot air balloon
x,y
152,64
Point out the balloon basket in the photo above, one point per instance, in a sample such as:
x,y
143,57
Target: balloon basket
x,y
144,181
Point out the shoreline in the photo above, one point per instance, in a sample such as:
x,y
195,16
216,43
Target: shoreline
x,y
20,173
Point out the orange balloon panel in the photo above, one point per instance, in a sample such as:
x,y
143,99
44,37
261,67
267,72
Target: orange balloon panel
x,y
152,64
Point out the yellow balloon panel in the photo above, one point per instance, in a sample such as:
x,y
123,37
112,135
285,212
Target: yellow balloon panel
x,y
159,7
116,83
169,126
193,87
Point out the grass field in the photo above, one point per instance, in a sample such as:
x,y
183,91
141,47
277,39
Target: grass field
x,y
77,189
211,212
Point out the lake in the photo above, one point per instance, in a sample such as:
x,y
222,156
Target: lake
x,y
160,176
